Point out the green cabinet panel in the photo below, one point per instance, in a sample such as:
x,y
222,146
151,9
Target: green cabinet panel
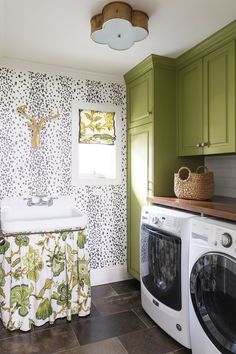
x,y
206,104
140,100
219,100
140,177
152,157
190,118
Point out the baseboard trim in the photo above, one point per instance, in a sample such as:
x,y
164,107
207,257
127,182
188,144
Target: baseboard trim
x,y
109,275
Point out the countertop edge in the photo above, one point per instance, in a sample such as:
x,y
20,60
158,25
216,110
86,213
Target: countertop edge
x,y
223,208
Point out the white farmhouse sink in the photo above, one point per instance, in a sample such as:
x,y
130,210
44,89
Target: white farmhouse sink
x,y
17,216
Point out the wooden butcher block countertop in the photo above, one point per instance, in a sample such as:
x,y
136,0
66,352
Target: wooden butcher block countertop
x,y
220,207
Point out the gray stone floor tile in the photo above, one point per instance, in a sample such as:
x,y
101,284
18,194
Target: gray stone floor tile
x,y
182,351
139,311
47,341
118,303
105,327
149,341
109,346
126,286
101,291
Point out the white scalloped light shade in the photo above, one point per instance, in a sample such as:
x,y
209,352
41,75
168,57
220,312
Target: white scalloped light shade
x,y
119,34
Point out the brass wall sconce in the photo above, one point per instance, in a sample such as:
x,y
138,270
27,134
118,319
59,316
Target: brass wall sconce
x,y
36,126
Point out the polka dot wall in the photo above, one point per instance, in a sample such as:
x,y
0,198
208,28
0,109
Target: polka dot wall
x,y
24,170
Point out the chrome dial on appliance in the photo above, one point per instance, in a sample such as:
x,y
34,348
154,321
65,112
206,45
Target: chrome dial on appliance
x,y
226,240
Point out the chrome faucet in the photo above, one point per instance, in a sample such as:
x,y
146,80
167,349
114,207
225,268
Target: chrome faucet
x,y
40,201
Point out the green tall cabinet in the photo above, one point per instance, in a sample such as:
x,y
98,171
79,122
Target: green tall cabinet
x,y
152,157
140,179
206,102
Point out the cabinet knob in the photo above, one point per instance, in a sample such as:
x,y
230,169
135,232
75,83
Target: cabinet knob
x,y
201,144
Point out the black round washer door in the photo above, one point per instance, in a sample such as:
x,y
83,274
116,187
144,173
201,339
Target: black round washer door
x,y
213,294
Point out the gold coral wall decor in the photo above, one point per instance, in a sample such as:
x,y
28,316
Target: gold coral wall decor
x,y
36,125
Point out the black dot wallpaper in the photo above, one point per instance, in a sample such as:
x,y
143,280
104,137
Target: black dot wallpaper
x,y
25,171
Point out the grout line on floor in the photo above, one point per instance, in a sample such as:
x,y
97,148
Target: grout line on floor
x,y
116,293
133,310
177,350
21,333
122,345
127,291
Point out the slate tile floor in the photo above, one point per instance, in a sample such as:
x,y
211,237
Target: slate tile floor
x,y
117,325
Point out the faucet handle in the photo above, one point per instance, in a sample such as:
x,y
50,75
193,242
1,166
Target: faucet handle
x,y
50,200
2,240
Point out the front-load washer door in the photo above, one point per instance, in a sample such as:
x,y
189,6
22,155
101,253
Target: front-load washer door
x,y
161,266
213,295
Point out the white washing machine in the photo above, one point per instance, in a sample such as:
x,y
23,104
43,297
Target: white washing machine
x,y
164,243
212,305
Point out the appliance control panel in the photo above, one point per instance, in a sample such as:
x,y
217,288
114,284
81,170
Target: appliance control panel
x,y
225,238
219,235
165,222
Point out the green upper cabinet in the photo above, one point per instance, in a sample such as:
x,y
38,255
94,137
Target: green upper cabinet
x,y
219,100
190,124
206,104
140,100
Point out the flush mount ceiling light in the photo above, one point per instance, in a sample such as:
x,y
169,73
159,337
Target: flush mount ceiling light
x,y
119,26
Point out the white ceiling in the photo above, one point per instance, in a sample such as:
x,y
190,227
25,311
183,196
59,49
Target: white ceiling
x,y
57,32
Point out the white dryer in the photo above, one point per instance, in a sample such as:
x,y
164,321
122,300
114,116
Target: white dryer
x,y
165,235
212,306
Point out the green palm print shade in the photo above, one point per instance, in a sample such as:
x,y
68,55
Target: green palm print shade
x,y
44,277
96,127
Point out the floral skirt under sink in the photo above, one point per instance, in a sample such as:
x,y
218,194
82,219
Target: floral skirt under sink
x,y
44,277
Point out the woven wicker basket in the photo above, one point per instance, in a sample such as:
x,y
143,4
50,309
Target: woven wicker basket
x,y
194,185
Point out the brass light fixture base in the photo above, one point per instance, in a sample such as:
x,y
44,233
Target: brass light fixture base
x,y
119,25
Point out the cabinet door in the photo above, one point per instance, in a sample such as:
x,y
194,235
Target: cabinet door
x,y
189,105
219,100
140,100
140,178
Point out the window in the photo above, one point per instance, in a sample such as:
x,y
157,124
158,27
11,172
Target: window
x,y
96,144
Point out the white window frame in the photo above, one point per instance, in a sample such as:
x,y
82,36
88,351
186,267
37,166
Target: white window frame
x,y
93,179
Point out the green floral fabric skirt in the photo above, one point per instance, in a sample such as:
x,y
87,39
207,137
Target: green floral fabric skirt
x,y
44,277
